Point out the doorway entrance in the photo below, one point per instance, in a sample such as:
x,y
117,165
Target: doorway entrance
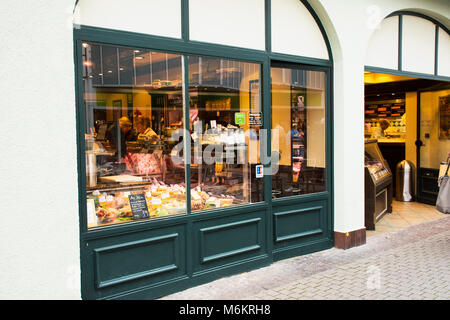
x,y
408,120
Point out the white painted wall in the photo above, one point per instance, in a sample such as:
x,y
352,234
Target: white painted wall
x,y
232,22
443,53
382,50
294,30
418,45
38,193
155,17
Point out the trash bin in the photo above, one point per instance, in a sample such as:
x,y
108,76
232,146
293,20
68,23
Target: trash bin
x,y
404,184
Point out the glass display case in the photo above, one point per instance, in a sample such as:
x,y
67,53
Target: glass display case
x,y
135,127
378,184
374,161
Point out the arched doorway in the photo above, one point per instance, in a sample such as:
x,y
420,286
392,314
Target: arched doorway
x,y
407,77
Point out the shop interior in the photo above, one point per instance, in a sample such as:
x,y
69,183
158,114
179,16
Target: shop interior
x,y
135,130
135,133
407,140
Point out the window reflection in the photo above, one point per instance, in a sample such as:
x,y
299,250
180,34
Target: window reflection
x,y
223,98
298,131
133,104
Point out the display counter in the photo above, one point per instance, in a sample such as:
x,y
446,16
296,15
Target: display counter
x,y
378,184
391,140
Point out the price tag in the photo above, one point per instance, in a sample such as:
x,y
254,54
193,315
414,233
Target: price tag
x,y
91,217
165,195
156,201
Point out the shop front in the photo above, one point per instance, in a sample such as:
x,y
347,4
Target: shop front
x,y
156,145
198,160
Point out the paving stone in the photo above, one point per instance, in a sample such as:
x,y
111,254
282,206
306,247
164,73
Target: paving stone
x,y
409,264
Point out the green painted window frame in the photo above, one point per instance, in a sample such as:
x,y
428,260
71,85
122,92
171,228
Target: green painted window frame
x,y
186,47
399,71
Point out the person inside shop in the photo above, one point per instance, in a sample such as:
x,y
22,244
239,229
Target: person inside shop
x,y
122,132
379,131
144,130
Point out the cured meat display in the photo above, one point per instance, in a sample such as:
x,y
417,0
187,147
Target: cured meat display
x,y
142,163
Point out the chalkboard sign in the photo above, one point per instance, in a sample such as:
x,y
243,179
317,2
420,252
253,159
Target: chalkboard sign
x,y
138,206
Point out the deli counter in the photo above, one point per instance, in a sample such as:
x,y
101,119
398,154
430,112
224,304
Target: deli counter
x,y
377,184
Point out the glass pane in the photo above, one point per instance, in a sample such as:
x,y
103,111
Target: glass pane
x,y
133,104
225,119
374,161
434,128
298,131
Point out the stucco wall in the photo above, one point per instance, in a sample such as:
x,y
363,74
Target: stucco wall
x,y
38,194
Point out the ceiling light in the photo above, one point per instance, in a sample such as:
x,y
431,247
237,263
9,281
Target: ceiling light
x,y
139,58
136,51
85,45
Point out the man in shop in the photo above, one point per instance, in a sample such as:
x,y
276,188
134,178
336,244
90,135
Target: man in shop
x,y
123,132
378,132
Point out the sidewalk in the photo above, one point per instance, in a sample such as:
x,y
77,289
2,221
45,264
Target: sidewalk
x,y
411,263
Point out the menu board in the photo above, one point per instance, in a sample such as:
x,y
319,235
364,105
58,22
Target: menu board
x,y
380,110
138,206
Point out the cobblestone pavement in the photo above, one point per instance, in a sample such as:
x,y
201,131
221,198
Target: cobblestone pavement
x,y
411,263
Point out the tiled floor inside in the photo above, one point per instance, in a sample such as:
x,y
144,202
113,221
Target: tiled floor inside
x,y
405,214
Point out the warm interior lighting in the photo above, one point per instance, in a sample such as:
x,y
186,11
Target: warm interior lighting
x,y
372,77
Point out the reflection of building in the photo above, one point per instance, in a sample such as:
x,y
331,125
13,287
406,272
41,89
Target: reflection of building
x,y
182,60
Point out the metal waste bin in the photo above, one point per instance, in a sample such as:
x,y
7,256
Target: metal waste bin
x,y
404,185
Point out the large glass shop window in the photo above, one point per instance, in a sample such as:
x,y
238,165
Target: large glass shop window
x,y
298,131
133,105
225,117
135,124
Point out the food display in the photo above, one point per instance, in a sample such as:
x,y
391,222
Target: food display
x,y
374,161
162,200
135,114
202,200
142,163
